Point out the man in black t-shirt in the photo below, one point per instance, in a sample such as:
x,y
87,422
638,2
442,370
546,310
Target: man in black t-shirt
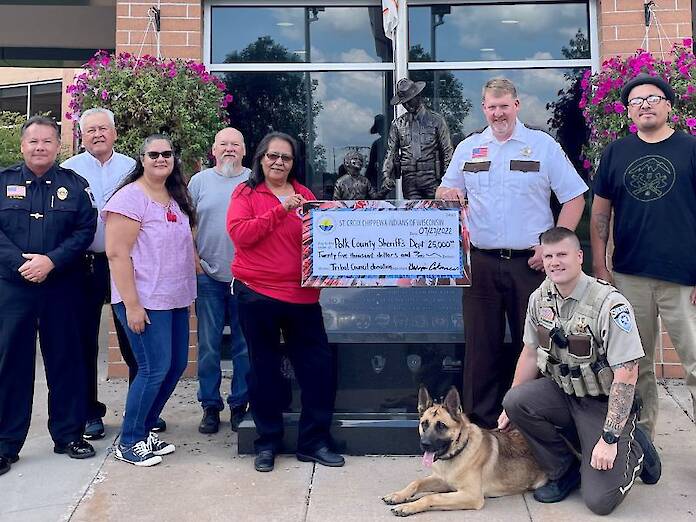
x,y
649,179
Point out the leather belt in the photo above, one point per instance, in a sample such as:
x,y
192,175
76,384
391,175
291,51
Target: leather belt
x,y
504,253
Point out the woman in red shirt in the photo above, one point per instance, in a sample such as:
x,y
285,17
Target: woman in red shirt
x,y
264,223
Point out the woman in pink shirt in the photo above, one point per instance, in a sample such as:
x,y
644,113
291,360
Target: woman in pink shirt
x,y
153,282
264,223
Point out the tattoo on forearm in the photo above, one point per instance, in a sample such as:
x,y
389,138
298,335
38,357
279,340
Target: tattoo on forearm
x,y
620,403
628,365
601,226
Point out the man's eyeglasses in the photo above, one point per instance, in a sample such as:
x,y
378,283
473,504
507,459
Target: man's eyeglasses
x,y
274,156
153,154
653,99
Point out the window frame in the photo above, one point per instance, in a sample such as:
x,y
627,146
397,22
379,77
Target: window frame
x,y
28,86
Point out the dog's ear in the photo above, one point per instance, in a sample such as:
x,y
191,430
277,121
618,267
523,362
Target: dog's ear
x,y
453,403
424,400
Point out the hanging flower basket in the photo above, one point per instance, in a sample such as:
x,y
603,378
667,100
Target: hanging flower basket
x,y
150,95
607,117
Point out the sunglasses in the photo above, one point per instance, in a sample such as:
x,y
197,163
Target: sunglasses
x,y
274,156
153,154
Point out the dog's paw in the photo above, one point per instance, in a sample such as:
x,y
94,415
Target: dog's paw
x,y
401,511
392,499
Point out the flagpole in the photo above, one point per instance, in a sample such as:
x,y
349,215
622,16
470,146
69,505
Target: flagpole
x,y
400,47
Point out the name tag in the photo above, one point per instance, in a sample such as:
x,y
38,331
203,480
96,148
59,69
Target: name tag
x,y
525,165
476,166
16,191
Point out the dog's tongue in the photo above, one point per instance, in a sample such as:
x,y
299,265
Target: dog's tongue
x,y
428,458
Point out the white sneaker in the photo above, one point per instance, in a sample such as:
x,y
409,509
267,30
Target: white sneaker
x,y
139,454
158,446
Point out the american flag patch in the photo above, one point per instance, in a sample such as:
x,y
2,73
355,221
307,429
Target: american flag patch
x,y
16,191
479,152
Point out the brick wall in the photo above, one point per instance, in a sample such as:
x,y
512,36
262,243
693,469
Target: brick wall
x,y
622,26
181,28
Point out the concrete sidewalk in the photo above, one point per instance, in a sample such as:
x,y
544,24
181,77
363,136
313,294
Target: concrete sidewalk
x,y
206,480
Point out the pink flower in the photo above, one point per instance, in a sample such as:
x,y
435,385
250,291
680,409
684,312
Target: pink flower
x,y
105,95
675,119
105,60
172,73
619,107
587,164
632,128
690,89
688,42
690,122
228,98
68,116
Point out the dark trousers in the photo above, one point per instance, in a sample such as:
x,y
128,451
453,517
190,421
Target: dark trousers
x,y
500,288
263,319
548,417
97,291
51,309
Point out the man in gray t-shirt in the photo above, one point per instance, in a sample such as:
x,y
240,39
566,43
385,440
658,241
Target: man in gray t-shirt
x,y
211,191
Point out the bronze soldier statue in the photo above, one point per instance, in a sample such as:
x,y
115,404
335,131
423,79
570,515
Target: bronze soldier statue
x,y
352,185
419,146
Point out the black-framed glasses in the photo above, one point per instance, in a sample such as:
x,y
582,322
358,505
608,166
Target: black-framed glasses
x,y
274,156
653,99
154,154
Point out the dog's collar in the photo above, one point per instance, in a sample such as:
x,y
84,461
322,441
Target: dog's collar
x,y
456,452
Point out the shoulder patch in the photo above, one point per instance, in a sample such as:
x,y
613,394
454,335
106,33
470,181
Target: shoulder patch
x,y
91,197
621,315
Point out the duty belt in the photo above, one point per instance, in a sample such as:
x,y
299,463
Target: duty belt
x,y
503,253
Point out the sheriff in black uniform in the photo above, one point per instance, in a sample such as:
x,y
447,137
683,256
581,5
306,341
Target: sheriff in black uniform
x,y
47,220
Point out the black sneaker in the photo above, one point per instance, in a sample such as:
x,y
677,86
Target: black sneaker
x,y
238,413
158,446
94,429
160,426
652,466
210,423
557,490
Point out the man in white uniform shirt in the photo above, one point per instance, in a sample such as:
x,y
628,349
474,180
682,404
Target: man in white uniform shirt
x,y
507,172
104,169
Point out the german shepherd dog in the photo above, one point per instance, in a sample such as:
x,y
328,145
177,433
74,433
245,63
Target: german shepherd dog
x,y
469,463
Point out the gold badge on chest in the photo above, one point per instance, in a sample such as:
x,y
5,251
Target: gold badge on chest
x,y
62,193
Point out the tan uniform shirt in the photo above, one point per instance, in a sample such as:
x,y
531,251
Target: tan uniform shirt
x,y
616,324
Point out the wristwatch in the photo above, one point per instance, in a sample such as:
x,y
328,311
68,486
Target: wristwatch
x,y
609,437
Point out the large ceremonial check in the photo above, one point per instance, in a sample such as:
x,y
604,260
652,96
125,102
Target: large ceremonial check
x,y
385,243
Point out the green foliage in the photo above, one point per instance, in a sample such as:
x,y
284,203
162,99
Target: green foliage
x,y
10,125
275,100
148,95
453,106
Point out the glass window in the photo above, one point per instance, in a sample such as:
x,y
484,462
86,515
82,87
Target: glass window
x,y
457,95
298,34
14,99
534,31
350,111
46,98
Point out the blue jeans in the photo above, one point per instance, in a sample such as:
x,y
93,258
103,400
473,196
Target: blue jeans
x,y
162,353
214,304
